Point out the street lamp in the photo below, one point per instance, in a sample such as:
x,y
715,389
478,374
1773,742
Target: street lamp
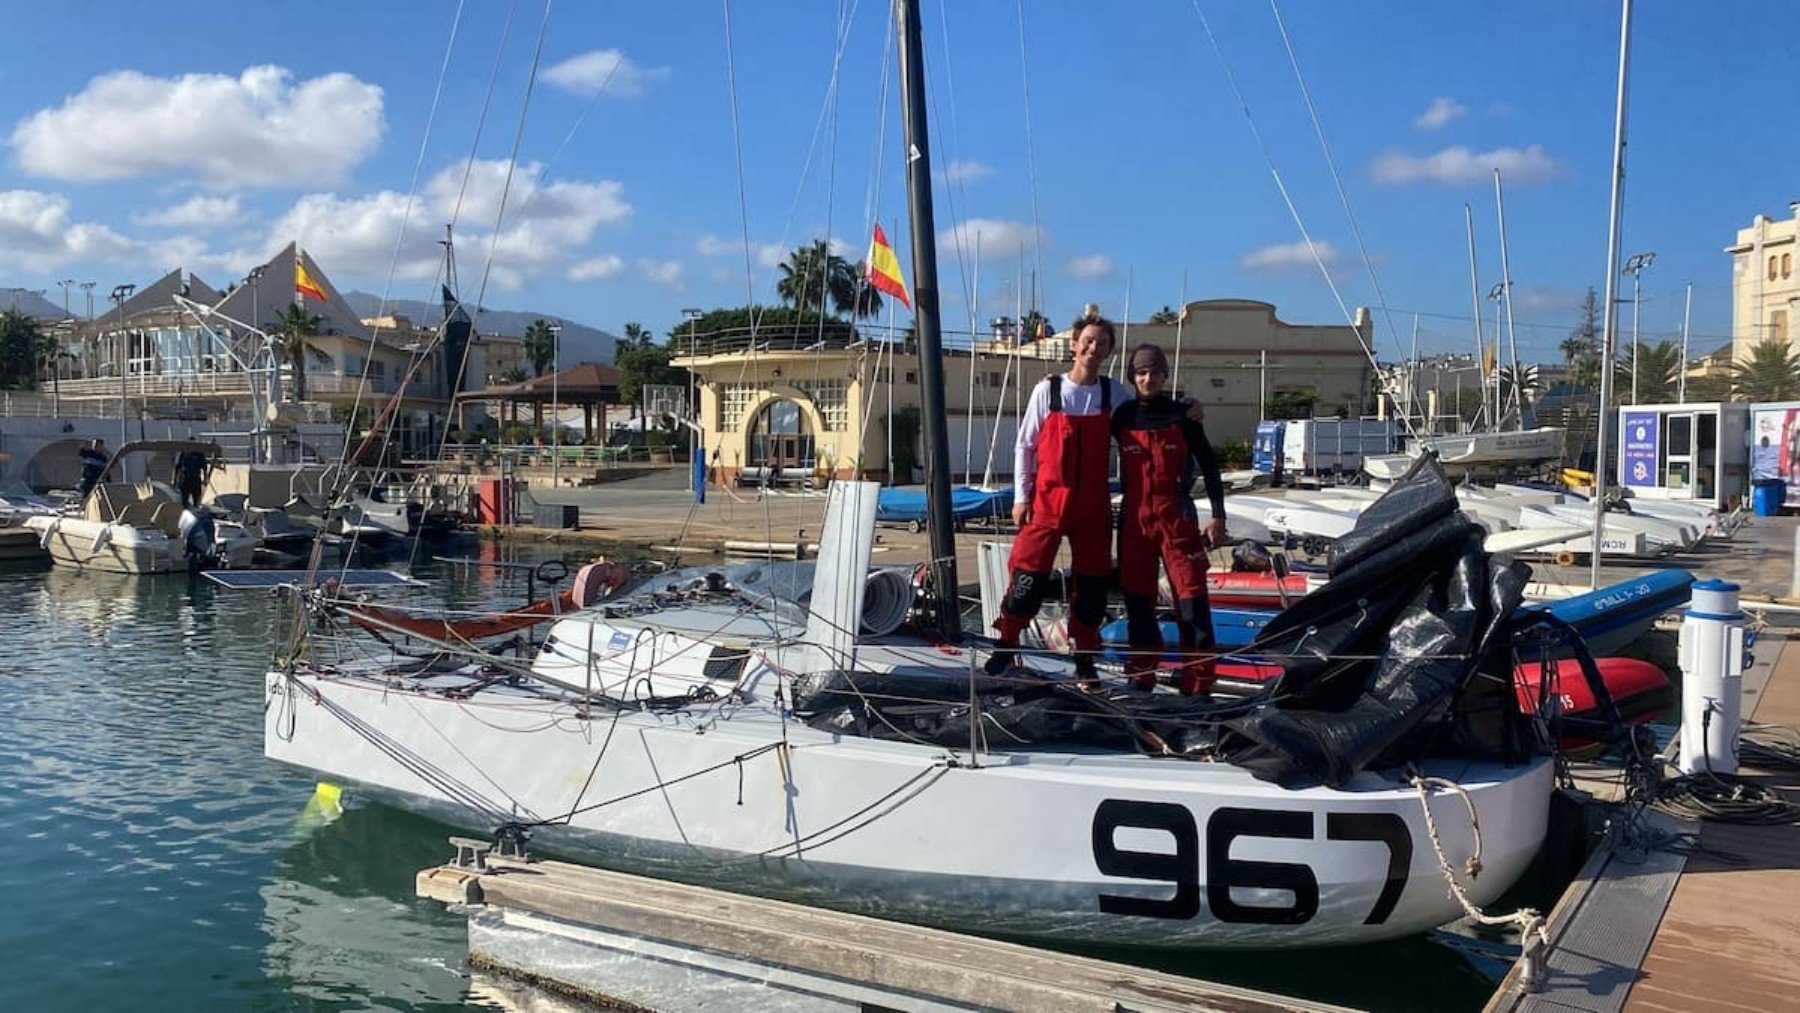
x,y
120,293
1634,266
555,406
65,283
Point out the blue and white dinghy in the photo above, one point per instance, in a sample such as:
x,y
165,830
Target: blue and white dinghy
x,y
691,734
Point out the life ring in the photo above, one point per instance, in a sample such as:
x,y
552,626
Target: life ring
x,y
597,580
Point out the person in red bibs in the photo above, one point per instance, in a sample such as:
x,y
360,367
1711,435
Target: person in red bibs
x,y
1161,451
1060,466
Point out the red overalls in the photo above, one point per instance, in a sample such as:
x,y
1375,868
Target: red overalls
x,y
1069,499
1157,521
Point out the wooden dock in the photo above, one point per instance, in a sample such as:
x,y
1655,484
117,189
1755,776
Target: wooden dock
x,y
1711,926
621,939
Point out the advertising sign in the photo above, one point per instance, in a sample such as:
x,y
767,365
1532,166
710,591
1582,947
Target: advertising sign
x,y
1638,449
1775,448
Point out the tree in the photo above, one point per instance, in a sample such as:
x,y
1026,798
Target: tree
x,y
540,346
814,278
1581,349
22,347
513,374
1771,372
1658,369
1035,325
1166,315
640,363
293,327
729,330
637,334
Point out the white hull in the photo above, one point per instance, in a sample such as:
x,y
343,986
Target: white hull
x,y
120,548
890,829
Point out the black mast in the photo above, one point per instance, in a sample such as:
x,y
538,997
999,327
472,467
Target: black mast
x,y
925,316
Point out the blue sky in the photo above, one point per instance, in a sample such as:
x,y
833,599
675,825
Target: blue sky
x,y
135,143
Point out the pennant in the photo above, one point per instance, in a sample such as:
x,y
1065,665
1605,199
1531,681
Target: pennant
x,y
304,285
884,269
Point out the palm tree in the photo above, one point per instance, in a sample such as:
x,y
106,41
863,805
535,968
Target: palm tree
x,y
540,346
1658,372
1166,315
868,300
293,326
814,278
637,334
22,348
1770,373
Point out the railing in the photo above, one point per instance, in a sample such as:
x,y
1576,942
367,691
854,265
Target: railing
x,y
213,385
16,404
491,455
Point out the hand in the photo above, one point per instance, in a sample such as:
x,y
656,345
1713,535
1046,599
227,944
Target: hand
x,y
1196,412
1021,514
1215,532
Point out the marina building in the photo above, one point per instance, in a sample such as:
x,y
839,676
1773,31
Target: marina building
x,y
783,405
1765,283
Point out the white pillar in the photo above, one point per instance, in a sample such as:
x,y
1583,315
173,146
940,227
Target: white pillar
x,y
1712,670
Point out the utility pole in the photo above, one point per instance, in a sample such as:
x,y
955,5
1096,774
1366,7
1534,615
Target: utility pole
x,y
120,293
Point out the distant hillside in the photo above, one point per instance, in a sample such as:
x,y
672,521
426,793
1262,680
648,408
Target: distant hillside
x,y
580,343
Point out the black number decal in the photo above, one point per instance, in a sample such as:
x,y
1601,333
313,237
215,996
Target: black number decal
x,y
1180,868
1389,829
1224,872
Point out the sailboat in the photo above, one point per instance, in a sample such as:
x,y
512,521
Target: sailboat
x,y
737,733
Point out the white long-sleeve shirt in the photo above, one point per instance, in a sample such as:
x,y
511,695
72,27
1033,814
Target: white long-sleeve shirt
x,y
1076,400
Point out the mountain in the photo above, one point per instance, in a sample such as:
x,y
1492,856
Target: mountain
x,y
33,305
580,343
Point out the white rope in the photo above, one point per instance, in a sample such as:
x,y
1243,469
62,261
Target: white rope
x,y
1530,922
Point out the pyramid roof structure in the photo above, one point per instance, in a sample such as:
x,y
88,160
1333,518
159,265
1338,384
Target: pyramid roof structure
x,y
267,295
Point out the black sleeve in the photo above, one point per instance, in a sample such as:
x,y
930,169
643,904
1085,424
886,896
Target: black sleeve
x,y
1207,463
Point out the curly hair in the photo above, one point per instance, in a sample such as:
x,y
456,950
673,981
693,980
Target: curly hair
x,y
1090,317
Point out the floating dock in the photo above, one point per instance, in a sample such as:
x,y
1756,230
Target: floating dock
x,y
617,939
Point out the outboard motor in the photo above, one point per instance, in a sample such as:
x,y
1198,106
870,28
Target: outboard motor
x,y
1250,557
199,536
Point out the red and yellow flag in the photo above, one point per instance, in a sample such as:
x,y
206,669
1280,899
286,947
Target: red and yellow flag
x,y
304,285
884,269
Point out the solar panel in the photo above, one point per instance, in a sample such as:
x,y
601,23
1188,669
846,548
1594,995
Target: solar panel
x,y
248,580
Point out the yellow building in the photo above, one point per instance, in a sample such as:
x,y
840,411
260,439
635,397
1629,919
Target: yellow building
x,y
1765,285
817,408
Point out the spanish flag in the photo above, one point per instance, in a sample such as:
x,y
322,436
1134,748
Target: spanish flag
x,y
304,285
884,269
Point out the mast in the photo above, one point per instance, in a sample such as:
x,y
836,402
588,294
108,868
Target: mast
x,y
1612,284
925,318
1480,341
1512,341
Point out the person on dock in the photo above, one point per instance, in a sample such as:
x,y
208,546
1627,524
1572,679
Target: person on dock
x,y
1060,490
93,465
1161,452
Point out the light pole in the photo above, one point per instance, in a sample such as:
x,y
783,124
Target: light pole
x,y
65,283
692,316
120,293
555,406
88,287
1634,266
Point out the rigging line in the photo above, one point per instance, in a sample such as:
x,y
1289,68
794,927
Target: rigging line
x,y
953,188
481,121
1037,244
512,159
1336,177
1281,187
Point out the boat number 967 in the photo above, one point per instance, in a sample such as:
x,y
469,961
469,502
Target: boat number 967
x,y
1180,868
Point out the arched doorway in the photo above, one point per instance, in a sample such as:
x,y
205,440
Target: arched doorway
x,y
781,442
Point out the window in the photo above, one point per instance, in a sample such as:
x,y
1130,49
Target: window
x,y
735,400
1777,325
829,398
993,379
1787,264
1772,263
912,377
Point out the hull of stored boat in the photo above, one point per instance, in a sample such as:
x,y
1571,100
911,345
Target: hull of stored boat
x,y
1067,846
120,548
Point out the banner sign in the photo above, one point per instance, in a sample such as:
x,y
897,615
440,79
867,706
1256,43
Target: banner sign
x,y
1638,449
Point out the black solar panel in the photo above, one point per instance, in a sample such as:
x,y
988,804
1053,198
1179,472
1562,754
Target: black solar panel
x,y
246,580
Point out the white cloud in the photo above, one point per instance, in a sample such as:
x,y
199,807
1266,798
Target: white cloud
x,y
766,254
197,212
603,70
999,237
1095,265
545,225
966,171
663,272
1459,165
597,268
257,129
36,233
1439,113
1280,258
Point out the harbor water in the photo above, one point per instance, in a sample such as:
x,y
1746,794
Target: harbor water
x,y
151,857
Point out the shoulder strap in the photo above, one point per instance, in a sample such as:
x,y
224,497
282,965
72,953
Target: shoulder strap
x,y
1105,396
1056,392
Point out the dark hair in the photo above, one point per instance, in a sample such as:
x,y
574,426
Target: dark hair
x,y
1090,317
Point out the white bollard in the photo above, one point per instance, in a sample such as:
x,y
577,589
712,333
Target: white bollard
x,y
1712,673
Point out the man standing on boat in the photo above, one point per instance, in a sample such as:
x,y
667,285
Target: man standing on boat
x,y
1161,451
1060,470
190,476
93,465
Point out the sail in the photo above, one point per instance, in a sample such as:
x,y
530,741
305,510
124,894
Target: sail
x,y
458,329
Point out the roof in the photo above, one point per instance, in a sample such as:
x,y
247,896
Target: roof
x,y
160,295
268,295
586,381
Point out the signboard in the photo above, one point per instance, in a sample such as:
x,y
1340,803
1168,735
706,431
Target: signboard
x,y
1638,449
